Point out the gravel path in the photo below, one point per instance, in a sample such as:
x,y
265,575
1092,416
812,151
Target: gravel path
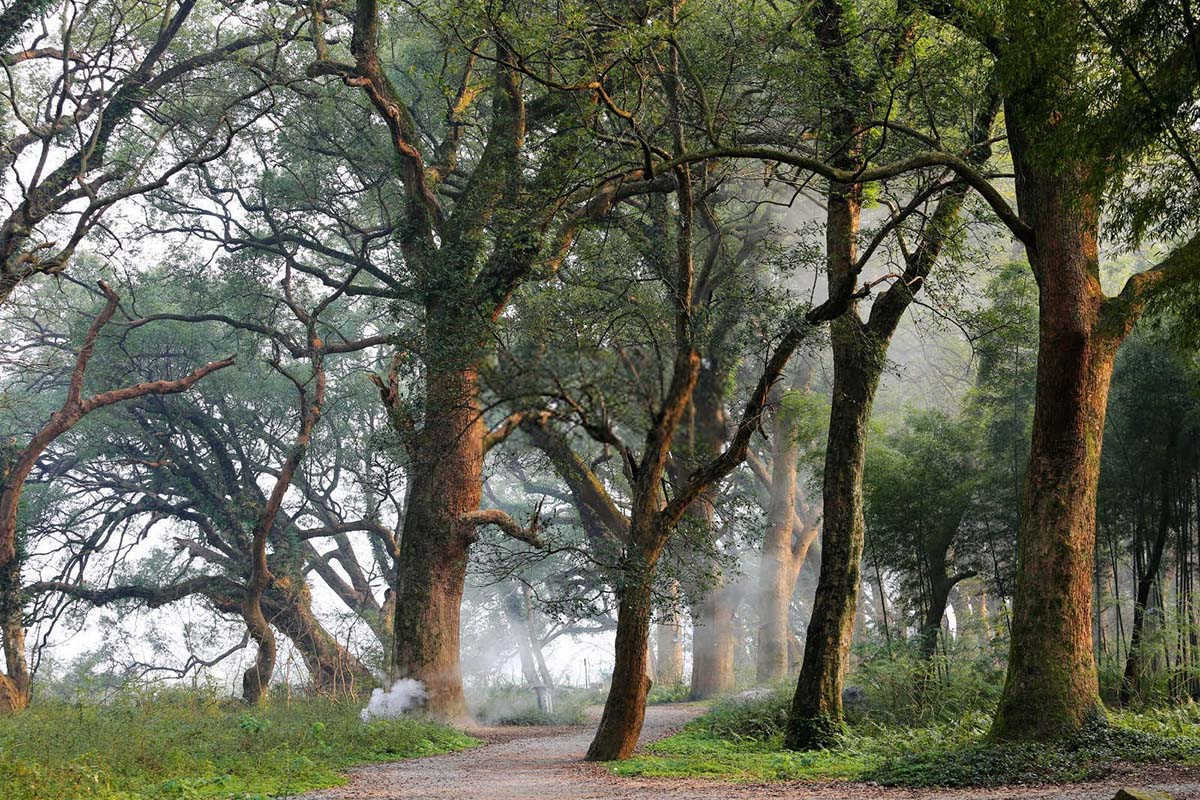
x,y
545,764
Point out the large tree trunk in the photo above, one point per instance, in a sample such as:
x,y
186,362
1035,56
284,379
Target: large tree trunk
x,y
669,644
1051,689
447,482
712,643
781,562
15,685
858,358
625,706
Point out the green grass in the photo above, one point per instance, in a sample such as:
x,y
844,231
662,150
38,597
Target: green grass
x,y
743,742
173,744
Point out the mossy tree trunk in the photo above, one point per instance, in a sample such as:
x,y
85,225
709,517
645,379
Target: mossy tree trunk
x,y
625,706
447,482
1051,689
816,714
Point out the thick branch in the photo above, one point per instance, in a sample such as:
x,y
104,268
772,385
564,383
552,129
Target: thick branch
x,y
494,516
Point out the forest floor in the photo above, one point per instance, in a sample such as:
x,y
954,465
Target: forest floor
x,y
545,763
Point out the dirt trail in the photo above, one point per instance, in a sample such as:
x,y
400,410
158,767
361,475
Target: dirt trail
x,y
545,764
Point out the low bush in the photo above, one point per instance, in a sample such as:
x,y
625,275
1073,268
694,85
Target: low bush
x,y
668,693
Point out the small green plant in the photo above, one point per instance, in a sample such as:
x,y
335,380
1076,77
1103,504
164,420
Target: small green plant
x,y
668,693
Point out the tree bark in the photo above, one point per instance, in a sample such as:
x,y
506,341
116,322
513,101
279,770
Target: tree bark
x,y
1052,689
15,685
625,706
447,482
333,669
669,644
712,643
858,357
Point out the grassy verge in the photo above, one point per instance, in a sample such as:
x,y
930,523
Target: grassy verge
x,y
743,742
149,746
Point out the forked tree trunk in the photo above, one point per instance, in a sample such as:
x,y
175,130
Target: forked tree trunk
x,y
447,482
817,707
712,643
625,706
1051,690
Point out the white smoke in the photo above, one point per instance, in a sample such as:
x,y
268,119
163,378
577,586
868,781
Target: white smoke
x,y
405,695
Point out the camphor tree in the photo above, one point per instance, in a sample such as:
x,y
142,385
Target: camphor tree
x,y
469,181
817,712
1099,109
678,274
20,461
229,470
860,120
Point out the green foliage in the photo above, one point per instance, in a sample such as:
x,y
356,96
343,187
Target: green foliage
x,y
738,718
1089,755
902,737
962,680
668,693
178,744
950,753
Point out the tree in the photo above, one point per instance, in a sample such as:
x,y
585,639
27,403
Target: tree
x,y
859,353
18,464
107,104
223,467
920,490
792,523
463,189
1072,159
